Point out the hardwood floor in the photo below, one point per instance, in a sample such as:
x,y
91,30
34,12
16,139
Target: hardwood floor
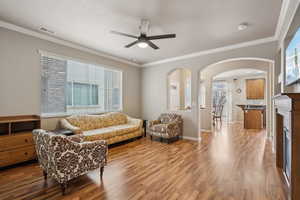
x,y
229,164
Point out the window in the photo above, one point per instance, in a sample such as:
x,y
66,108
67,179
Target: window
x,y
70,87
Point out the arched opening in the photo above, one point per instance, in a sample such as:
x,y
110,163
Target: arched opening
x,y
220,82
179,90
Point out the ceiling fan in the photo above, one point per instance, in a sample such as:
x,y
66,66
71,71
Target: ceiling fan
x,y
143,40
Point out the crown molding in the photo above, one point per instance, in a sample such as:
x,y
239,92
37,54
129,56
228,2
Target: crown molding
x,y
49,38
282,16
279,34
211,51
291,9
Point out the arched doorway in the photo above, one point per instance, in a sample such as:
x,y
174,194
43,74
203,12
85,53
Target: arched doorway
x,y
207,75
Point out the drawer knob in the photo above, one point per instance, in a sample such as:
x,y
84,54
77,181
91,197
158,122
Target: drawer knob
x,y
26,140
26,153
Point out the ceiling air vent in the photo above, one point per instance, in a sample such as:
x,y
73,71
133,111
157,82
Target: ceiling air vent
x,y
43,29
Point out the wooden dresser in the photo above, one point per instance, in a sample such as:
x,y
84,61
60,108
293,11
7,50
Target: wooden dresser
x,y
288,141
16,140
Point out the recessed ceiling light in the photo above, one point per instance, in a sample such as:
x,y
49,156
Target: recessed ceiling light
x,y
43,29
243,26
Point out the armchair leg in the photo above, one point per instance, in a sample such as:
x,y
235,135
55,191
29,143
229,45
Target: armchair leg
x,y
150,137
63,188
101,172
45,175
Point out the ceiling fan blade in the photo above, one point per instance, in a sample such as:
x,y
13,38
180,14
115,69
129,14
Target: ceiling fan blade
x,y
151,44
123,34
158,37
131,44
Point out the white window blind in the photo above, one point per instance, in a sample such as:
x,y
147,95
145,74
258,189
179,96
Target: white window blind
x,y
72,87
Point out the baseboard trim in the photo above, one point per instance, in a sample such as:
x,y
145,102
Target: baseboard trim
x,y
191,138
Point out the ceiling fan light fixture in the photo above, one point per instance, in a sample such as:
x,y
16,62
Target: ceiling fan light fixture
x,y
142,45
143,41
243,26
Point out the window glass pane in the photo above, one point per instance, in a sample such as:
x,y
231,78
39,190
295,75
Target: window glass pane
x,y
101,98
116,96
69,93
94,95
53,85
81,94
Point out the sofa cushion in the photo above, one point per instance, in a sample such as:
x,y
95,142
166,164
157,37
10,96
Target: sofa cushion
x,y
104,133
112,119
109,132
81,121
162,128
90,122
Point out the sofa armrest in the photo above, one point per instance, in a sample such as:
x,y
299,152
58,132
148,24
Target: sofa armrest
x,y
65,124
76,138
153,122
172,125
135,121
174,128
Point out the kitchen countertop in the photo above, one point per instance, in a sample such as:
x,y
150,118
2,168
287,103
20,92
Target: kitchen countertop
x,y
252,107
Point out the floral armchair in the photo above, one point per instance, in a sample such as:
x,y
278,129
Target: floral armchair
x,y
168,125
64,158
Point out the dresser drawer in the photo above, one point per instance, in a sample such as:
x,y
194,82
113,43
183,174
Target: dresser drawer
x,y
17,155
15,141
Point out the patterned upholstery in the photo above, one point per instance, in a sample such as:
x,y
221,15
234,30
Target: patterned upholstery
x,y
64,158
168,125
112,127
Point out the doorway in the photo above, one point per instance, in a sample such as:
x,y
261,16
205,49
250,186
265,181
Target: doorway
x,y
235,87
239,93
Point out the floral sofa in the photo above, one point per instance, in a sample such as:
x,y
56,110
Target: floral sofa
x,y
168,126
65,158
113,127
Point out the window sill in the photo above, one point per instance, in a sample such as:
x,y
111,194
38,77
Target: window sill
x,y
83,107
182,110
62,115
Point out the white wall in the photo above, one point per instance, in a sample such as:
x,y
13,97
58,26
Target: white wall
x,y
20,75
154,82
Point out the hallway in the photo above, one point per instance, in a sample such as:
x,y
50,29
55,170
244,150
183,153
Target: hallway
x,y
230,164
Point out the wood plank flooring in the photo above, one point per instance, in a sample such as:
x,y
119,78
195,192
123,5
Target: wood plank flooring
x,y
229,164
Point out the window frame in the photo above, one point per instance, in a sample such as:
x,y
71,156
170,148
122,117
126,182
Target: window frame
x,y
100,65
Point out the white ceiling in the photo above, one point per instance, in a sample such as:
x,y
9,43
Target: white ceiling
x,y
239,73
199,25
